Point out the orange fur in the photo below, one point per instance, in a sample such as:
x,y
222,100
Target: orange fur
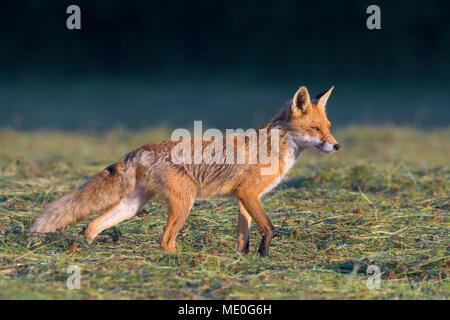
x,y
125,186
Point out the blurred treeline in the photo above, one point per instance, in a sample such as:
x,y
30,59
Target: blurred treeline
x,y
229,63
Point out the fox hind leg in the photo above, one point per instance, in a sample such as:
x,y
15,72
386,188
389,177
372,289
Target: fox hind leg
x,y
125,209
178,213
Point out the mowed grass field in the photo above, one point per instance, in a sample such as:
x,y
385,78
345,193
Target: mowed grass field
x,y
381,201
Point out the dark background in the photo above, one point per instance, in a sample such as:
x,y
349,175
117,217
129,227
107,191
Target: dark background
x,y
229,63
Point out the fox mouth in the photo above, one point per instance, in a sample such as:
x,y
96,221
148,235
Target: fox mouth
x,y
324,147
313,142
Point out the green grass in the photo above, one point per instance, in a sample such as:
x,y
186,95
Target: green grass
x,y
382,200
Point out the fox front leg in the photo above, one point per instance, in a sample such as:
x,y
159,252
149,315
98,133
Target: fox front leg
x,y
253,206
243,229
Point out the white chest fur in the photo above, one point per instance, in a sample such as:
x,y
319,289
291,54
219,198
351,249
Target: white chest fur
x,y
293,153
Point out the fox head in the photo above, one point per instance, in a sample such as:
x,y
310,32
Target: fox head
x,y
307,121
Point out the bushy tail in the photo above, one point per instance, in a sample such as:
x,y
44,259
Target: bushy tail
x,y
102,191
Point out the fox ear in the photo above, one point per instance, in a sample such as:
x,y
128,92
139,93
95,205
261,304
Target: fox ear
x,y
301,100
323,97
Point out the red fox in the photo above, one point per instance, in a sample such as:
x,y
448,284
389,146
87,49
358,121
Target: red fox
x,y
125,186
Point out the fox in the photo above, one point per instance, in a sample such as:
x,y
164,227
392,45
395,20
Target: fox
x,y
123,188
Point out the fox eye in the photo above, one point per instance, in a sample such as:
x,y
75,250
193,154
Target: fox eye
x,y
315,128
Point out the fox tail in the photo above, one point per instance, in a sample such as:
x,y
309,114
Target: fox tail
x,y
100,192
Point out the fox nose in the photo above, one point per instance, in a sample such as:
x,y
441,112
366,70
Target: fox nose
x,y
336,146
